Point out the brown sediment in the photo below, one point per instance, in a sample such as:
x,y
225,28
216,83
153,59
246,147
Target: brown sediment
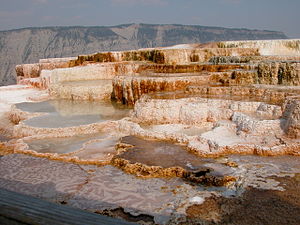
x,y
189,68
199,174
253,207
252,59
120,213
162,56
5,150
144,171
129,89
285,73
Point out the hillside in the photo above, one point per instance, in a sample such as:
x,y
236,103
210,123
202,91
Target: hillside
x,y
30,44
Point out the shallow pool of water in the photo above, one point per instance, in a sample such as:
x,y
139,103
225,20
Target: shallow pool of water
x,y
68,113
61,145
167,154
102,150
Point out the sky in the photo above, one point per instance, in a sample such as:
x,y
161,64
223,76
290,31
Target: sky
x,y
279,15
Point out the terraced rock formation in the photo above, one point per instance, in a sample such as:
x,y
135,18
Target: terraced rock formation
x,y
214,120
28,45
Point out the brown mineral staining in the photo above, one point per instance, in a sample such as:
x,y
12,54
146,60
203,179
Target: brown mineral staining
x,y
34,70
231,164
120,213
254,206
203,177
190,104
137,157
5,150
144,171
246,96
128,89
208,211
292,111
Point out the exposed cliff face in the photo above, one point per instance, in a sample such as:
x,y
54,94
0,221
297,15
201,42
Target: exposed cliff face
x,y
30,44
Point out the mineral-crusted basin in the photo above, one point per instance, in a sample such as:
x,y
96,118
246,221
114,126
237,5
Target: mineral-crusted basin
x,y
67,113
61,145
166,155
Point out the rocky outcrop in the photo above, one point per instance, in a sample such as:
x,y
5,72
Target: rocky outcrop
x,y
252,59
213,101
24,71
197,110
175,55
277,47
128,90
286,73
291,116
31,44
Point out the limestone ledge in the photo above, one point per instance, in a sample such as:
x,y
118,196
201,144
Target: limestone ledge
x,y
34,69
205,145
165,55
16,115
226,141
144,171
23,130
20,146
129,89
92,90
56,60
197,110
253,59
267,93
267,47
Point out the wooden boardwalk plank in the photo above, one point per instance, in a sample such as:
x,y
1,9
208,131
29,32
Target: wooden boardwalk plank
x,y
17,208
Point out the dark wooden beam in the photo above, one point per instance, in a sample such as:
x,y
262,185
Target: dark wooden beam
x,y
18,209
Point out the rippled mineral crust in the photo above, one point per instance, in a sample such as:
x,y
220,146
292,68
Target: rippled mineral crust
x,y
186,134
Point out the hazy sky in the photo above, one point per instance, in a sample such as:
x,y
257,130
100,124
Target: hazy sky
x,y
281,15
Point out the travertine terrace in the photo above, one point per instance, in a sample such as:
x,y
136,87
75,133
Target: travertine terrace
x,y
187,113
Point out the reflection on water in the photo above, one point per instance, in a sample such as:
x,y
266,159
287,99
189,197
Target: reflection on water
x,y
61,145
55,120
166,154
99,149
68,113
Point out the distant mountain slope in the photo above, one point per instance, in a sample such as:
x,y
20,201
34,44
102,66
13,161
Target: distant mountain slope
x,y
30,44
